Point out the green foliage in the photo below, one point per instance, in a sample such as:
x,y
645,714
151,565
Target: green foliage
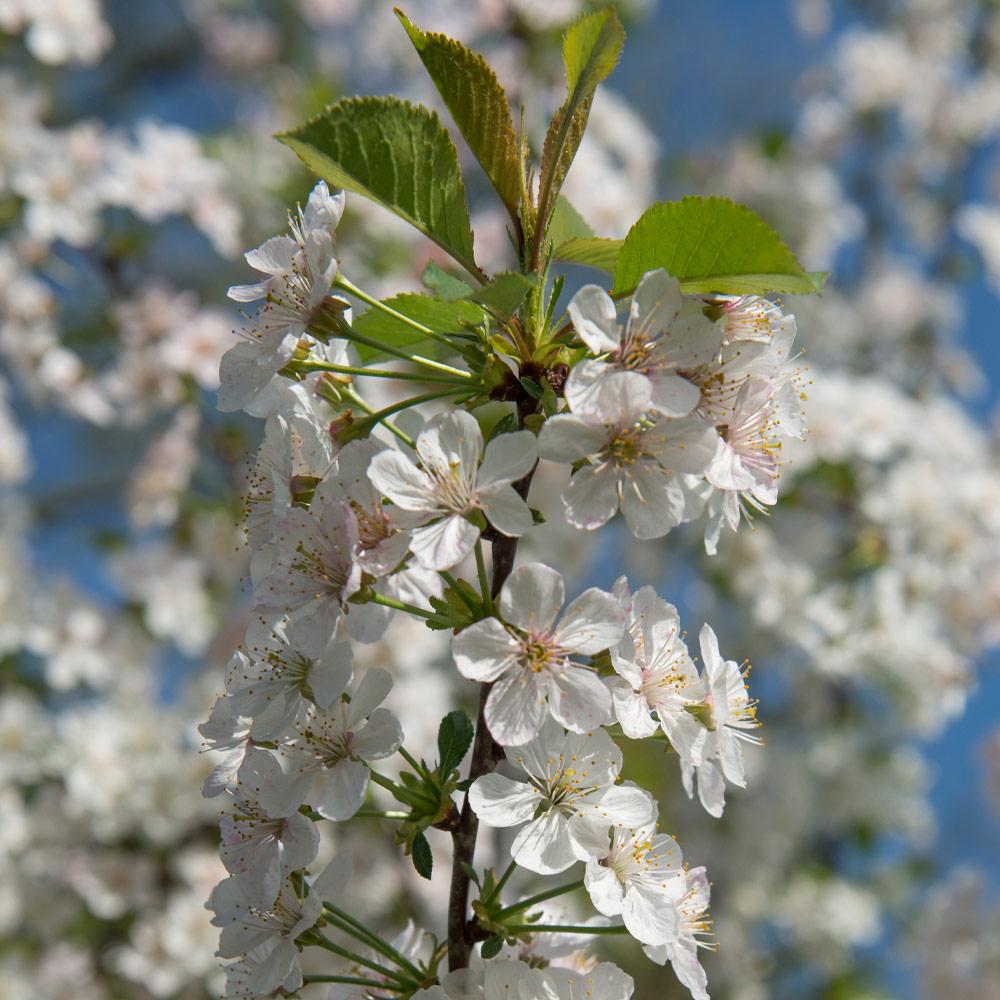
x,y
710,245
440,315
591,251
454,739
443,284
477,103
459,607
505,293
591,48
423,860
399,155
491,946
567,223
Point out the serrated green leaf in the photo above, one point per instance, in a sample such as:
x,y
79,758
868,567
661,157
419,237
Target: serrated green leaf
x,y
444,285
454,739
399,155
591,251
591,47
710,245
472,93
448,317
505,293
491,946
423,860
567,223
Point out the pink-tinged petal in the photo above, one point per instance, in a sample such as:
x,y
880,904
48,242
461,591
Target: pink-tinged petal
x,y
500,801
591,498
508,458
650,916
516,708
451,440
672,395
579,700
380,737
506,511
594,621
343,790
484,651
595,319
543,846
652,501
444,544
396,477
566,438
606,892
531,597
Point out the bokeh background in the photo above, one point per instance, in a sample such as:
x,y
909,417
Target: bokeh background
x,y
136,163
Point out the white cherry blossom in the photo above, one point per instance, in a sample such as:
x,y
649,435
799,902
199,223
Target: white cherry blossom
x,y
259,847
528,656
664,336
450,486
631,462
325,757
691,894
655,672
568,796
732,714
270,933
635,879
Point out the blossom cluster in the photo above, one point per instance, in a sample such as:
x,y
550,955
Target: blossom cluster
x,y
350,519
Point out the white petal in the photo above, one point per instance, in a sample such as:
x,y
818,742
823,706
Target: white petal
x,y
543,846
652,501
484,651
595,319
690,444
343,790
330,676
587,381
594,621
672,395
381,736
579,700
332,880
444,544
516,708
605,890
650,916
591,498
451,440
531,597
508,458
500,801
626,805
402,482
712,788
372,690
299,842
274,256
506,511
632,712
566,438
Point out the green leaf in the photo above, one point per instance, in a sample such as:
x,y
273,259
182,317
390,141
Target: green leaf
x,y
423,860
591,251
454,739
710,245
567,223
505,293
399,155
491,946
443,284
437,314
531,387
591,47
477,103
